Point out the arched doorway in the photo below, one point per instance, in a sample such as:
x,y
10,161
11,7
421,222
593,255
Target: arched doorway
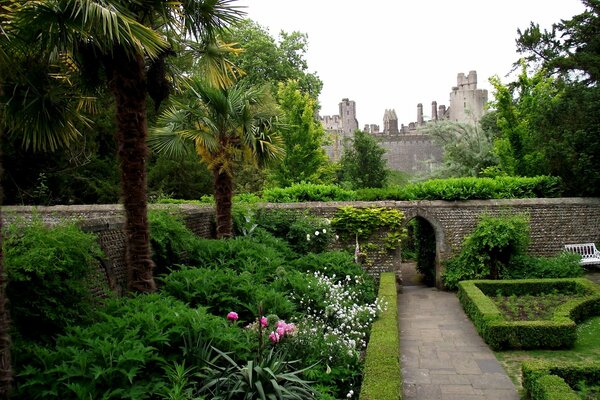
x,y
426,247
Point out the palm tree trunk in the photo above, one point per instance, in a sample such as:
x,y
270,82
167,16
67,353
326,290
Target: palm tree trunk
x,y
223,187
6,373
128,84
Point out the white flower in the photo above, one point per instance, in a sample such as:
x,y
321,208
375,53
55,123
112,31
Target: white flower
x,y
316,233
324,230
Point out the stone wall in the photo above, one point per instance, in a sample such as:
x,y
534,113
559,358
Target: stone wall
x,y
553,223
411,153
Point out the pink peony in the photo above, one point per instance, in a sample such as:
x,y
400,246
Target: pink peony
x,y
232,316
264,322
274,337
281,330
280,323
290,328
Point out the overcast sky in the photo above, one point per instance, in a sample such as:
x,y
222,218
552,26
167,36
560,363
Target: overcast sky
x,y
397,53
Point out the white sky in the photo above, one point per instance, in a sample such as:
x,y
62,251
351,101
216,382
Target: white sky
x,y
397,53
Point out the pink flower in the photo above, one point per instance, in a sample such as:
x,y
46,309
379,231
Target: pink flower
x,y
274,337
290,328
281,330
280,323
264,322
232,316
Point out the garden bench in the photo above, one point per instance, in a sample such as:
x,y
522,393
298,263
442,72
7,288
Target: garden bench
x,y
588,251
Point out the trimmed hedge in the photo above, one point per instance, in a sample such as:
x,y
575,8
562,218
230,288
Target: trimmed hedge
x,y
547,380
559,332
382,375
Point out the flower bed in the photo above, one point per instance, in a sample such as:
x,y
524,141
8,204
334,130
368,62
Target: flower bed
x,y
558,332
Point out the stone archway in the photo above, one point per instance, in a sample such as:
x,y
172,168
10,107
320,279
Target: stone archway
x,y
441,249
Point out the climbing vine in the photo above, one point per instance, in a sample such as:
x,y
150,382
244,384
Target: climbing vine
x,y
361,223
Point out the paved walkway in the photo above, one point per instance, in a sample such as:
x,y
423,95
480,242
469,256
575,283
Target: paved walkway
x,y
443,357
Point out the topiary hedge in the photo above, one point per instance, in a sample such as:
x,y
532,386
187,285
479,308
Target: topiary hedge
x,y
382,375
545,380
559,332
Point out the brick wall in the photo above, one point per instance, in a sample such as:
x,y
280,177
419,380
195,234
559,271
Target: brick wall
x,y
553,223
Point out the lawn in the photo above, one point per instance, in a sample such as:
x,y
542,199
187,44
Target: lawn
x,y
587,348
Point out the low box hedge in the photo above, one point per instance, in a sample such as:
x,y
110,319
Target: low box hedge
x,y
382,379
559,332
548,380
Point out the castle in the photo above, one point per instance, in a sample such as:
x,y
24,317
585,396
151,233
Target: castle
x,y
407,148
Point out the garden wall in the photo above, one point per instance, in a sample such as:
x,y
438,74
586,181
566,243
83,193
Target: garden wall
x,y
553,223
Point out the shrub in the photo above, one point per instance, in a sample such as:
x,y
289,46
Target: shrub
x,y
469,189
382,375
548,380
488,250
49,271
125,353
559,332
172,242
307,192
564,265
222,290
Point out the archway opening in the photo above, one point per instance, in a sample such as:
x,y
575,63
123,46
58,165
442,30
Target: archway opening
x,y
419,254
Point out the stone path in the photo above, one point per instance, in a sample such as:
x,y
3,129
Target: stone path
x,y
442,356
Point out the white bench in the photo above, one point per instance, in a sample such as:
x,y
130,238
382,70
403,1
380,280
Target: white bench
x,y
588,252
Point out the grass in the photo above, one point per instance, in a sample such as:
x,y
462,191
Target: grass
x,y
587,348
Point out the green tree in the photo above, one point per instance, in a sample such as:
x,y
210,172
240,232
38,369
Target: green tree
x,y
467,148
362,164
520,109
305,160
225,125
121,36
266,60
571,48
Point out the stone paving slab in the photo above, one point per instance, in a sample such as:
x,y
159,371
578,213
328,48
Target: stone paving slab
x,y
442,356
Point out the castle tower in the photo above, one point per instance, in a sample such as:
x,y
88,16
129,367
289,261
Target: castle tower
x,y
466,101
390,122
348,117
419,114
434,110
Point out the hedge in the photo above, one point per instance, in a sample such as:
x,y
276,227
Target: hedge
x,y
559,332
552,380
382,375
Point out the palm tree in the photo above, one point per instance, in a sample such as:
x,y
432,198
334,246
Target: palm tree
x,y
225,125
122,36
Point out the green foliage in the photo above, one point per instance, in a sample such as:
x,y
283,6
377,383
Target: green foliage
x,y
307,192
362,163
488,250
223,290
172,242
186,178
382,378
546,380
468,189
269,377
559,332
267,60
351,222
305,160
50,271
467,148
123,355
564,265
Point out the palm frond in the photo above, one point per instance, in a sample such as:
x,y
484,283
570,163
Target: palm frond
x,y
205,19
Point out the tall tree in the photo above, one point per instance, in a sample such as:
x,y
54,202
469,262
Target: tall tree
x,y
570,48
305,160
121,36
225,125
362,164
267,60
467,148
